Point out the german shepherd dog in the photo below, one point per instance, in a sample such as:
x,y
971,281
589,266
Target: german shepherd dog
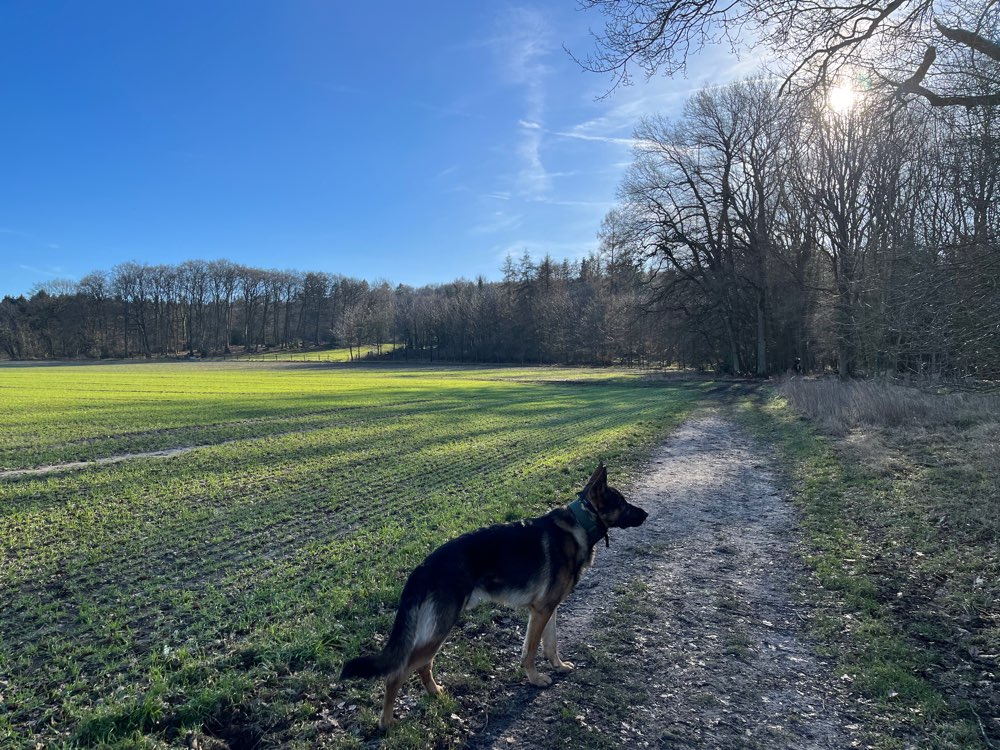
x,y
534,563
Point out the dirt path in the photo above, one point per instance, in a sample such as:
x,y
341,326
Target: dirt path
x,y
74,465
723,658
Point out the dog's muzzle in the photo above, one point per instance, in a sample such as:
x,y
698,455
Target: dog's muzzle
x,y
633,516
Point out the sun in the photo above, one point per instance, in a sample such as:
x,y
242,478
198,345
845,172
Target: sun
x,y
841,99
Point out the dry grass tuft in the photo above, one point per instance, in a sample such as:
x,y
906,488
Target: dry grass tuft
x,y
910,490
840,406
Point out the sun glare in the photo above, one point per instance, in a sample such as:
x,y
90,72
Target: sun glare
x,y
841,99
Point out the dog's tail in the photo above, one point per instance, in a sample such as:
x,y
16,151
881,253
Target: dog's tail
x,y
397,651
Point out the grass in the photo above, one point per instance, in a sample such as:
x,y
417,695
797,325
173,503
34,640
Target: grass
x,y
839,407
215,594
901,512
343,354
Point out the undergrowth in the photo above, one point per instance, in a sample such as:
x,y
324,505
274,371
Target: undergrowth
x,y
899,505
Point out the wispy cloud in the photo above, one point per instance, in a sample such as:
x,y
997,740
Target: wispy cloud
x,y
54,271
712,67
581,136
498,222
521,50
447,171
601,138
533,180
29,238
602,205
615,124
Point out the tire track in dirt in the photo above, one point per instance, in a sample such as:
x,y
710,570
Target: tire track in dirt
x,y
726,660
105,461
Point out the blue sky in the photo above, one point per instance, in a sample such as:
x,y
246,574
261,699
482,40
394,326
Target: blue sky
x,y
417,142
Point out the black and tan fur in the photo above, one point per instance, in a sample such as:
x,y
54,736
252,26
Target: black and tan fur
x,y
534,563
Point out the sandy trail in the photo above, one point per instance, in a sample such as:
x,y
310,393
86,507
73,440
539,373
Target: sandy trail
x,y
75,465
727,661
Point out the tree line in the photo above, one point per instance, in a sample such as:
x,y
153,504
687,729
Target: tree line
x,y
542,311
755,233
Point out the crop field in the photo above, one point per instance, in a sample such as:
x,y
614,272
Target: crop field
x,y
216,588
318,355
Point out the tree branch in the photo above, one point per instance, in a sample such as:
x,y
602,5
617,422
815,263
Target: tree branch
x,y
914,84
970,39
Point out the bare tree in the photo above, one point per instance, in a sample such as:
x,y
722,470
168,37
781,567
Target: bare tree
x,y
193,296
223,281
944,52
127,280
252,290
679,195
95,288
850,167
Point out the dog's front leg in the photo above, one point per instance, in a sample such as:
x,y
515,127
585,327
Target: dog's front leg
x,y
549,647
537,621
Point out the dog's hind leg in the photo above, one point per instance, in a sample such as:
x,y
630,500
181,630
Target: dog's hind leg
x,y
392,684
427,677
537,621
549,647
422,660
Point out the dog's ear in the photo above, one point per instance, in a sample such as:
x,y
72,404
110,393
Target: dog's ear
x,y
597,483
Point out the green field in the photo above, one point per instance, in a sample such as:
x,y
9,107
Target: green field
x,y
218,591
343,354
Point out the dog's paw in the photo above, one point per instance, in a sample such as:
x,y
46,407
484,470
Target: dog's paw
x,y
564,666
539,680
385,724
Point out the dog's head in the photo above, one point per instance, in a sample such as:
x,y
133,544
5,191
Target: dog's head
x,y
610,504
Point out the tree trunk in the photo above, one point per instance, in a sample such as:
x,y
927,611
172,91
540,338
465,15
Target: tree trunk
x,y
761,336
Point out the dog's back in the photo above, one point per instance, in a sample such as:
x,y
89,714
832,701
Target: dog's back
x,y
505,563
